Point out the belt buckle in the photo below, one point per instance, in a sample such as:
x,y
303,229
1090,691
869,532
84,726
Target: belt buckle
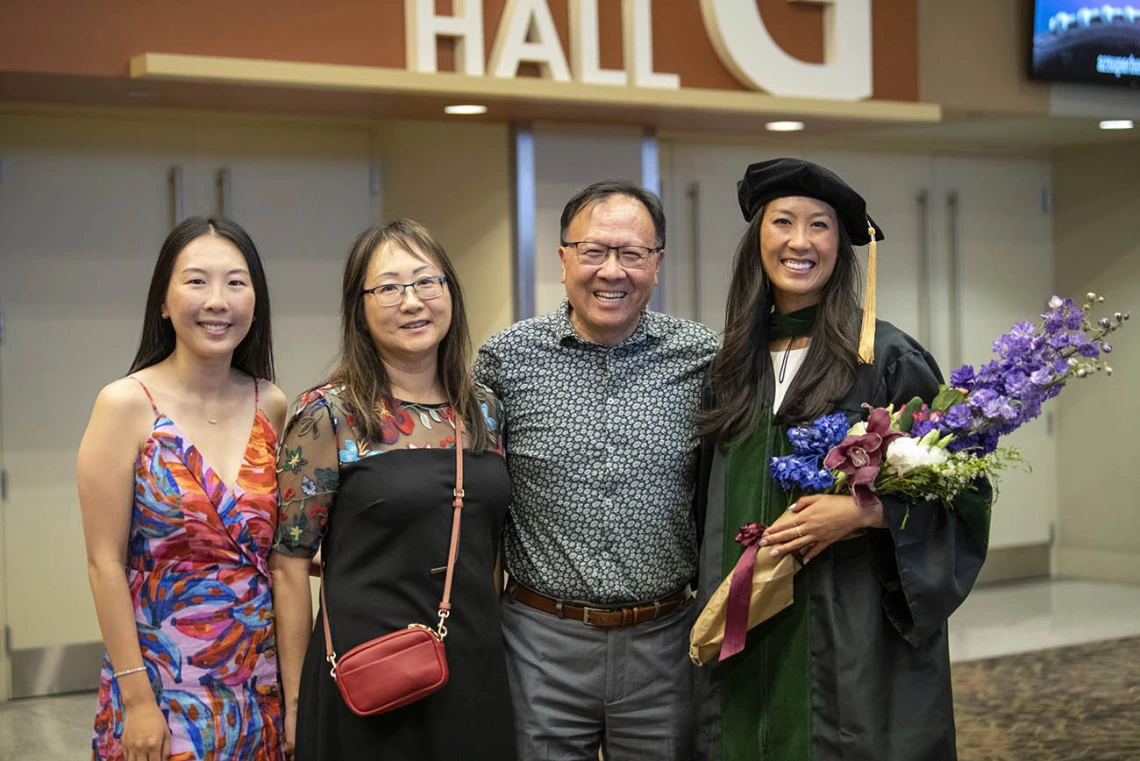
x,y
586,615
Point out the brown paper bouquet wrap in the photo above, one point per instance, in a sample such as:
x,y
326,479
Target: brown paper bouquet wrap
x,y
759,587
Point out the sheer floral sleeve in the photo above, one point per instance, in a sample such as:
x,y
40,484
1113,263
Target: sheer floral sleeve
x,y
308,474
494,416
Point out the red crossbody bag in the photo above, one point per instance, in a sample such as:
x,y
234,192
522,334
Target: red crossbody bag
x,y
389,672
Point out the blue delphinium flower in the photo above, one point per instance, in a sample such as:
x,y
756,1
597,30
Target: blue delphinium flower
x,y
802,470
802,473
819,437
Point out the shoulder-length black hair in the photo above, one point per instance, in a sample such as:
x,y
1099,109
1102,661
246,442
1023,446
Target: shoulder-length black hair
x,y
254,355
742,381
361,370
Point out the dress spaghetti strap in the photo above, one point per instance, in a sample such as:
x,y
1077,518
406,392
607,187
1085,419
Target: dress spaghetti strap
x,y
256,394
146,391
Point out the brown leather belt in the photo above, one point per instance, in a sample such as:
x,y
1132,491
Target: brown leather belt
x,y
601,617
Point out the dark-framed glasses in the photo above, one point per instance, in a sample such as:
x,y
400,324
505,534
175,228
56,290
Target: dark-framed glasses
x,y
594,254
427,288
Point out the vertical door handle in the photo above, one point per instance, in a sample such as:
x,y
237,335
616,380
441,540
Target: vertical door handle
x,y
225,194
925,309
694,196
177,198
952,209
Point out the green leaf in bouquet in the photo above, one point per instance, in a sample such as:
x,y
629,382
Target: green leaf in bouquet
x,y
906,417
947,398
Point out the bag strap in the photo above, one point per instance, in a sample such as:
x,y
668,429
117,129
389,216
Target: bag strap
x,y
452,554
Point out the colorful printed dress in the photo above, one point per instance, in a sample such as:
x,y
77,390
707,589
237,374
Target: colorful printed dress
x,y
199,581
381,514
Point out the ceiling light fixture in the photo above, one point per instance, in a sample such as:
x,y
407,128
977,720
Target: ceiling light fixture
x,y
1116,124
784,126
470,109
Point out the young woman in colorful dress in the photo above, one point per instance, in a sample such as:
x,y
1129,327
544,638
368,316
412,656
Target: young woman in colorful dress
x,y
366,470
178,491
857,667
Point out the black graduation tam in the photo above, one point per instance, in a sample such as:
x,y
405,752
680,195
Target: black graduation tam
x,y
779,178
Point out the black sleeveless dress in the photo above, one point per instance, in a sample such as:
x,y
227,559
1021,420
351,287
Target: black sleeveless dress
x,y
384,549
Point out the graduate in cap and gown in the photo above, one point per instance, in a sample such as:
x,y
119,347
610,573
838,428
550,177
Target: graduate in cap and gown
x,y
857,668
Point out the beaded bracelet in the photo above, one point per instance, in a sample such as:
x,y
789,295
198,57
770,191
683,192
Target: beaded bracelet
x,y
124,672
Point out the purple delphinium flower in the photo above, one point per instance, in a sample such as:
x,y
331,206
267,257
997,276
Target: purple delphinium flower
x,y
923,427
963,378
957,417
1089,349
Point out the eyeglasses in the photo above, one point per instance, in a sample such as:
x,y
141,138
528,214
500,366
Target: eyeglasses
x,y
427,288
594,254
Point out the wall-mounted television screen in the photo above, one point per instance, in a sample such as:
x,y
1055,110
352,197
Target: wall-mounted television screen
x,y
1082,42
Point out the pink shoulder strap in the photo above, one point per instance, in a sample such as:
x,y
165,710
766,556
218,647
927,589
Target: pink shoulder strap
x,y
146,391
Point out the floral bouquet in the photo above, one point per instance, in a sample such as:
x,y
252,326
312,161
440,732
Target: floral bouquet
x,y
924,451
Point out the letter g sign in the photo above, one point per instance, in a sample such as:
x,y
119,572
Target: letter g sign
x,y
742,41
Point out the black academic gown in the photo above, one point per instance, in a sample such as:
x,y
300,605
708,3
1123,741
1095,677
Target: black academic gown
x,y
858,667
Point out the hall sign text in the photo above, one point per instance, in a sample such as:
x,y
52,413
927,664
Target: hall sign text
x,y
526,34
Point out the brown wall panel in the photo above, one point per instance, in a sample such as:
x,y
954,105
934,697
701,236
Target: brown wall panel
x,y
98,39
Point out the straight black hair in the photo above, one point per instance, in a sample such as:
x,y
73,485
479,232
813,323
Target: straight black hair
x,y
601,191
742,380
254,355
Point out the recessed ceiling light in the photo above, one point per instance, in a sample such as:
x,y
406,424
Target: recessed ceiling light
x,y
784,126
465,109
1116,124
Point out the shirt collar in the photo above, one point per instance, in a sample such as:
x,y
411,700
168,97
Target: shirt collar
x,y
649,326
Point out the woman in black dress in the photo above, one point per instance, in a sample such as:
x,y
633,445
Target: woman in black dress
x,y
366,471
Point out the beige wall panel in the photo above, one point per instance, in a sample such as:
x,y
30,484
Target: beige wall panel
x,y
567,160
84,205
1097,204
454,178
973,55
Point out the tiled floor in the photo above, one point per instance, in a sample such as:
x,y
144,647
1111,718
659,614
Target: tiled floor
x,y
995,620
1015,618
47,729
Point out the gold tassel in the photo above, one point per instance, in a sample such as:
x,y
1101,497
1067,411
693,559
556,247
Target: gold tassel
x,y
867,331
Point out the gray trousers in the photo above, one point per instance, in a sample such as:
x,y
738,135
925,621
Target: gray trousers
x,y
577,688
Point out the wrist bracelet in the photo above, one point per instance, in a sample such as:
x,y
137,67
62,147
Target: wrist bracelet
x,y
124,672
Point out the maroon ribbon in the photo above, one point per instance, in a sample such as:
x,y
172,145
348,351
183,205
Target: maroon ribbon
x,y
740,591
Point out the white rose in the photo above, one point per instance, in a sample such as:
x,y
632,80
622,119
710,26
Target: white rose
x,y
859,429
906,454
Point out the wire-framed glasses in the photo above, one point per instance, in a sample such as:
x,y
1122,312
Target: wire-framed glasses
x,y
427,288
594,254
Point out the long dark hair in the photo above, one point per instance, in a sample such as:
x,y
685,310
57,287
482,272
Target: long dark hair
x,y
254,355
360,368
741,380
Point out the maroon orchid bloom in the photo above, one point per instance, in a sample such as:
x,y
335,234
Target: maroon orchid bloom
x,y
860,456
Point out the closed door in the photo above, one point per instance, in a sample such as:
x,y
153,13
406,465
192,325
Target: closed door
x,y
84,207
993,224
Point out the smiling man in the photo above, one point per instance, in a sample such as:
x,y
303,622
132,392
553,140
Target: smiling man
x,y
601,399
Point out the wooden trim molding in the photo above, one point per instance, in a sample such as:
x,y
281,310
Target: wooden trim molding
x,y
520,90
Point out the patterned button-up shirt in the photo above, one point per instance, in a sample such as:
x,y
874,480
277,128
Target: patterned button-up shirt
x,y
601,448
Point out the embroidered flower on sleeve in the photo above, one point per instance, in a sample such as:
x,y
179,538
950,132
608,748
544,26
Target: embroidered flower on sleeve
x,y
350,453
294,461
